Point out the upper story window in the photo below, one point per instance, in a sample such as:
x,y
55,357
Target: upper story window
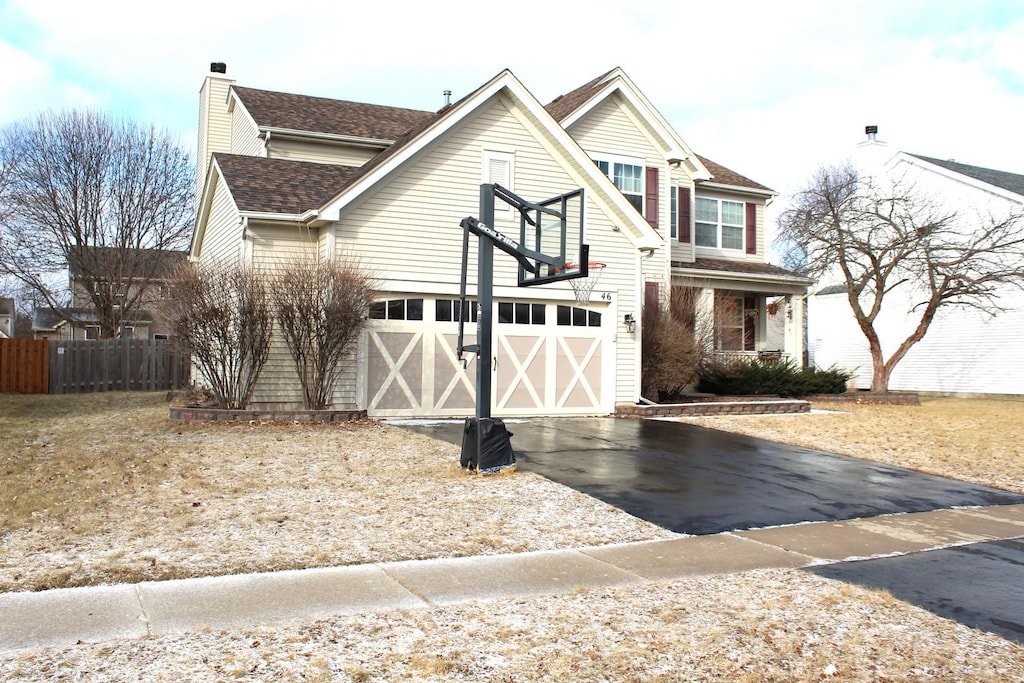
x,y
719,223
628,176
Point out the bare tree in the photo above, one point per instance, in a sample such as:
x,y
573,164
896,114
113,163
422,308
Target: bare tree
x,y
83,190
883,238
321,309
222,314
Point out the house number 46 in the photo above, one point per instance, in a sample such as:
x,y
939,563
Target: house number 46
x,y
606,296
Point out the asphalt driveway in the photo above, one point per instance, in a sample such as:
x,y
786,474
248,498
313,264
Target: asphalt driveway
x,y
695,480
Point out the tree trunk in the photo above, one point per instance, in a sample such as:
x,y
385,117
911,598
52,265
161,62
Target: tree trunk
x,y
879,374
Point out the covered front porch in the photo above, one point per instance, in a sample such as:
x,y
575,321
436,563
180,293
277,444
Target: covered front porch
x,y
747,309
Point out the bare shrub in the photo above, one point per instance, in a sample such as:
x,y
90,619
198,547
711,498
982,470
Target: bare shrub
x,y
321,309
673,345
222,314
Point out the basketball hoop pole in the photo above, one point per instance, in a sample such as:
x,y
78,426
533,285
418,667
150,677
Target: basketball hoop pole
x,y
485,441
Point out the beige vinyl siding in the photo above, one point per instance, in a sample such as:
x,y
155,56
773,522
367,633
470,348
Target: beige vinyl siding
x,y
278,385
223,233
408,229
214,124
319,152
245,136
682,251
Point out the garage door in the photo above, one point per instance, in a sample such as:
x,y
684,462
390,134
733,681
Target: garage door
x,y
549,359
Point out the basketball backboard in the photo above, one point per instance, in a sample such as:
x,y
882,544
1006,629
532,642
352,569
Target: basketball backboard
x,y
554,227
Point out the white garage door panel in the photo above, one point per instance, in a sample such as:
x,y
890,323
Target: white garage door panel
x,y
546,369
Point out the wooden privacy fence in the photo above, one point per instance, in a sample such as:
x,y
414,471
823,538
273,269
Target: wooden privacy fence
x,y
24,366
116,365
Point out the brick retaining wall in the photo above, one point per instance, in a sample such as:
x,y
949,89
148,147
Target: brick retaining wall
x,y
899,398
187,414
733,407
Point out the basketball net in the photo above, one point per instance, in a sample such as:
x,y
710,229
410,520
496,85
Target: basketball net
x,y
583,286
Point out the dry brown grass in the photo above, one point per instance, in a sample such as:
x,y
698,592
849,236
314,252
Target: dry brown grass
x,y
980,441
103,488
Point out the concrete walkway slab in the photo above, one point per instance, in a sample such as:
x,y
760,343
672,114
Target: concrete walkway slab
x,y
454,580
216,602
694,556
1011,514
67,616
832,541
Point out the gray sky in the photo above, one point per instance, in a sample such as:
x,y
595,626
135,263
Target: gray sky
x,y
771,90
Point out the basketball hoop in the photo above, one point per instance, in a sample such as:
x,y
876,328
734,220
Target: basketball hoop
x,y
583,286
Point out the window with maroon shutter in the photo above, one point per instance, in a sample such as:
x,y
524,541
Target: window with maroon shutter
x,y
651,204
684,214
751,228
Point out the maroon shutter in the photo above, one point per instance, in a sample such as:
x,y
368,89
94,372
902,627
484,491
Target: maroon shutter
x,y
651,295
684,214
749,320
751,228
651,203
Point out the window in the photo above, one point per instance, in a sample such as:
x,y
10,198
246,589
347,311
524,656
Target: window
x,y
447,310
92,331
127,332
397,309
735,322
719,223
578,317
521,313
160,337
628,177
499,168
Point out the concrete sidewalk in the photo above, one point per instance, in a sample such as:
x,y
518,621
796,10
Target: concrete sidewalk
x,y
67,616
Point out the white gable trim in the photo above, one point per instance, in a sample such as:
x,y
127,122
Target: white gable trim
x,y
618,81
904,157
641,233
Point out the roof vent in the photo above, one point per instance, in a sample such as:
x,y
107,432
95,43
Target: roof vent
x,y
447,97
871,132
218,68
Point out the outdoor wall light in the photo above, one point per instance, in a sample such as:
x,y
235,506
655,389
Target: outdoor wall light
x,y
630,322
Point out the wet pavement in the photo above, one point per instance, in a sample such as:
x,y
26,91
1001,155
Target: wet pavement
x,y
980,585
700,481
695,480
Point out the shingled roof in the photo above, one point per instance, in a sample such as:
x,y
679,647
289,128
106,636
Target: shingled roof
x,y
744,267
263,185
563,105
1007,181
322,115
724,176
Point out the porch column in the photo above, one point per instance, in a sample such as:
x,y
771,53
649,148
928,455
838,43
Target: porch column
x,y
705,317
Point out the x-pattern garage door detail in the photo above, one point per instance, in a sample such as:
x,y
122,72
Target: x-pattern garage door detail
x,y
539,369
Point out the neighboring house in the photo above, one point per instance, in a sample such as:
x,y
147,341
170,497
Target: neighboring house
x,y
138,279
283,175
7,316
965,350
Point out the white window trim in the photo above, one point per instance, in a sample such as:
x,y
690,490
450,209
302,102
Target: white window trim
x,y
673,211
612,159
490,157
719,250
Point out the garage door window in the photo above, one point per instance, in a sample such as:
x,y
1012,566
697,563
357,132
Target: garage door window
x,y
447,310
397,309
521,314
578,317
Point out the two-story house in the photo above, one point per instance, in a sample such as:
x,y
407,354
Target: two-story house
x,y
128,283
965,350
283,175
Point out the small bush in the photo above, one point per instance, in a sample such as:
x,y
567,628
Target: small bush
x,y
754,377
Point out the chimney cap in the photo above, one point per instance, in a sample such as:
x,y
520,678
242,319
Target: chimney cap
x,y
870,130
218,68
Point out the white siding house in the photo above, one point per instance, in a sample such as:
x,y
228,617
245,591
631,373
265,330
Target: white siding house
x,y
965,351
389,186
